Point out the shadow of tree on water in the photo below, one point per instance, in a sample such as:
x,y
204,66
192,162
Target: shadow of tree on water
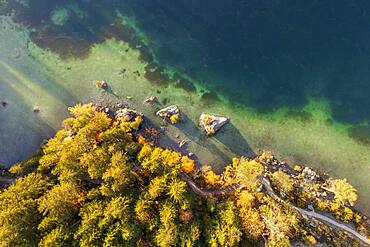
x,y
22,131
44,82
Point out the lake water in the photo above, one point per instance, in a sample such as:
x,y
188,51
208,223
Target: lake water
x,y
268,54
278,59
262,54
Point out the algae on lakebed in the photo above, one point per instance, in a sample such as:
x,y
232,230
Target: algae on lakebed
x,y
42,78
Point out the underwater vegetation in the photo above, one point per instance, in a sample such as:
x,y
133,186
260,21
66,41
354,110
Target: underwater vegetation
x,y
71,28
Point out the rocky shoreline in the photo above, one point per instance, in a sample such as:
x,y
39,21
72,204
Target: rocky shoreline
x,y
297,187
169,120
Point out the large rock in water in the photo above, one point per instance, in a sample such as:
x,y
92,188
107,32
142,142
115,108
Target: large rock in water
x,y
170,113
211,123
127,114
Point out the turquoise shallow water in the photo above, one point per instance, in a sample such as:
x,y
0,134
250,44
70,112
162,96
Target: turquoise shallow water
x,y
276,59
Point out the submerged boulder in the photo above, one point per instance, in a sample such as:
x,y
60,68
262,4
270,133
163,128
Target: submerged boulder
x,y
170,113
127,114
211,123
151,100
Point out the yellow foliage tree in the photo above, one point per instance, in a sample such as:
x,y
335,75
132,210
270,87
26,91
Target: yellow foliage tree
x,y
281,223
118,174
176,189
211,178
175,118
187,164
250,219
343,191
225,231
101,184
247,171
283,181
156,187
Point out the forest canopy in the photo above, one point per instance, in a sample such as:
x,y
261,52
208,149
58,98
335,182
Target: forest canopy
x,y
100,181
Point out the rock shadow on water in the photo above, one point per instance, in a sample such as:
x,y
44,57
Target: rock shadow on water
x,y
228,136
22,130
231,137
196,135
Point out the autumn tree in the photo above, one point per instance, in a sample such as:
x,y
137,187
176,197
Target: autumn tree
x,y
19,216
225,230
167,234
283,181
280,222
250,219
247,172
343,191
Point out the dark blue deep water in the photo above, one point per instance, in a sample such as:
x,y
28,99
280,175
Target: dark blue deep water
x,y
262,54
268,54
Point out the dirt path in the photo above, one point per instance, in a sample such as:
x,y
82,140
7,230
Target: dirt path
x,y
206,193
266,183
